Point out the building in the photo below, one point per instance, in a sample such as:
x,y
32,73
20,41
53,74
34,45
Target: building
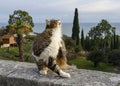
x,y
8,40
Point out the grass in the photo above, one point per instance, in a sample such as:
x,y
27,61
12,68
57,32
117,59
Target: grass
x,y
82,63
5,55
12,54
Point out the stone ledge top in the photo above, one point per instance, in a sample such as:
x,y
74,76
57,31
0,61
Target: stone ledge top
x,y
26,74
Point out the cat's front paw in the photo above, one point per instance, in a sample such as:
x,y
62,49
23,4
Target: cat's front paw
x,y
43,72
64,74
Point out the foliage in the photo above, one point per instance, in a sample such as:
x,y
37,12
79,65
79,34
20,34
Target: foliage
x,y
20,22
87,43
114,57
96,57
69,42
13,53
4,54
102,34
30,37
70,46
3,30
78,48
115,41
75,29
82,39
82,63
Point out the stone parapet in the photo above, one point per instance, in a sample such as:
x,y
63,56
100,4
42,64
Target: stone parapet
x,y
26,74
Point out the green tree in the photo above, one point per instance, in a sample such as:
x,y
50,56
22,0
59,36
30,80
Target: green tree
x,y
114,57
117,42
69,42
82,39
96,57
114,38
75,29
102,34
20,23
87,43
3,30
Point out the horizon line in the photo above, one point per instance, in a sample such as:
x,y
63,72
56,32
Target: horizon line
x,y
68,22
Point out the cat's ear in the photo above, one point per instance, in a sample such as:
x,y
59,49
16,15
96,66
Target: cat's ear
x,y
47,22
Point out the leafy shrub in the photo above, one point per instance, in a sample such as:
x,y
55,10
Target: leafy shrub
x,y
30,37
69,42
78,48
70,46
114,57
28,58
96,57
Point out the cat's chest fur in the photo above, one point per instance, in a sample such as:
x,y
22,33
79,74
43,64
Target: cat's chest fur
x,y
56,38
51,48
55,44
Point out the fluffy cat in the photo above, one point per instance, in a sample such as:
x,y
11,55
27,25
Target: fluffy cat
x,y
47,47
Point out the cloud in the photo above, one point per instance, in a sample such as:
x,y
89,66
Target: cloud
x,y
62,9
100,6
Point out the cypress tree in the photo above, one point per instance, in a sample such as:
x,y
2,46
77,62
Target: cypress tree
x,y
75,29
114,38
87,43
112,44
82,39
117,42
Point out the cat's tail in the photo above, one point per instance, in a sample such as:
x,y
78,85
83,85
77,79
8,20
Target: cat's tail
x,y
67,66
55,68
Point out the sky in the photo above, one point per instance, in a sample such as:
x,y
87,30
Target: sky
x,y
40,10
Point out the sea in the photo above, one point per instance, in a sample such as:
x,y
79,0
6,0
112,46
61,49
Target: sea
x,y
67,27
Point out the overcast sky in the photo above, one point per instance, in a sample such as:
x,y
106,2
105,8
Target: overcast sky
x,y
89,10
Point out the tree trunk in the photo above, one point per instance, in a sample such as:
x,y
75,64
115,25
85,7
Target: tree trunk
x,y
20,46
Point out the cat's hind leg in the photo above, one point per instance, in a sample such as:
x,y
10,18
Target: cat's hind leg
x,y
55,68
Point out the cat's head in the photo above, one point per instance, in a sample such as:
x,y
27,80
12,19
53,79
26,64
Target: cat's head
x,y
53,24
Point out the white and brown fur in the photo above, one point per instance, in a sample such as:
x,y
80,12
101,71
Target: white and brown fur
x,y
47,47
